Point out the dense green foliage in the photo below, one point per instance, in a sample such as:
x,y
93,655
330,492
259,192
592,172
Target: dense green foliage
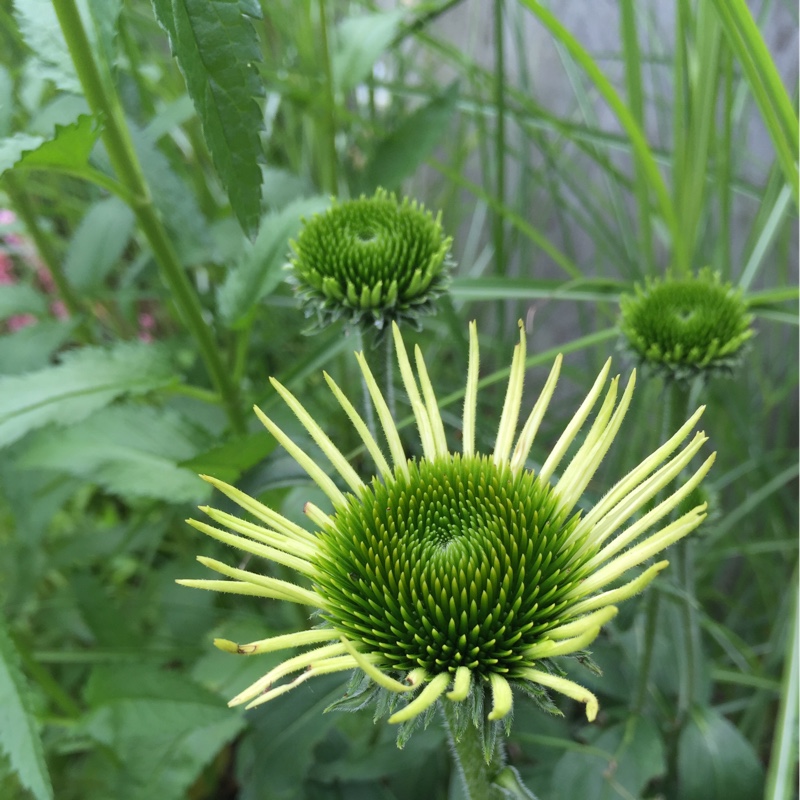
x,y
156,159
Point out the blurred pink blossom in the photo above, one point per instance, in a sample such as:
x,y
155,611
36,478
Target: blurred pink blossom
x,y
19,321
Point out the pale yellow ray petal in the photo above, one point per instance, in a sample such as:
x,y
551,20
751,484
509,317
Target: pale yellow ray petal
x,y
315,472
502,698
434,416
426,698
531,427
381,678
282,642
575,424
331,451
471,393
461,684
511,406
565,687
361,427
622,593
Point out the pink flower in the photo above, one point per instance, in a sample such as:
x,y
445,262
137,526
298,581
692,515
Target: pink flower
x,y
20,321
6,269
59,310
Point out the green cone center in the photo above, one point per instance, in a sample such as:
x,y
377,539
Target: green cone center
x,y
459,563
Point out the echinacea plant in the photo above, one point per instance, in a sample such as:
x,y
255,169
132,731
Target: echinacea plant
x,y
453,580
370,261
686,327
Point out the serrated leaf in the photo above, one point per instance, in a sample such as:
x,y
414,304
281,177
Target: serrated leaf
x,y
217,48
230,459
98,243
360,41
715,762
132,451
31,348
259,272
162,727
85,381
19,733
20,298
404,149
69,147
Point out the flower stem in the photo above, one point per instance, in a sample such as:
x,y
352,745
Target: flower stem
x,y
330,103
494,780
104,102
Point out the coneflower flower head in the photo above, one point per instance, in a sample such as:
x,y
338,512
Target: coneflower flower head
x,y
370,261
457,576
684,327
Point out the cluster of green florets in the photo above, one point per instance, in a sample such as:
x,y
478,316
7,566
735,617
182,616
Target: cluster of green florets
x,y
683,327
371,261
460,562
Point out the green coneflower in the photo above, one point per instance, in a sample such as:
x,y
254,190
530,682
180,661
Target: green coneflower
x,y
456,574
683,327
370,261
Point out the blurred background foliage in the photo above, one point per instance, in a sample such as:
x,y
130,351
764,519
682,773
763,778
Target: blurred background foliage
x,y
574,149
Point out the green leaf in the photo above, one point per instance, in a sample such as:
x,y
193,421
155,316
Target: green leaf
x,y
132,451
104,15
580,290
399,153
620,762
161,726
84,382
715,762
68,149
359,43
230,459
39,27
217,48
20,298
276,754
259,272
98,243
19,733
32,347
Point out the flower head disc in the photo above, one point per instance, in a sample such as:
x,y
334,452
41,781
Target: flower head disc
x,y
371,261
684,327
458,574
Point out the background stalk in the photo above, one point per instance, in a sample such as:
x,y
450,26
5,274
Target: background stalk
x,y
103,101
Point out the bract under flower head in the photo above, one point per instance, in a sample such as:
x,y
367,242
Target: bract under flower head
x,y
370,261
457,574
681,328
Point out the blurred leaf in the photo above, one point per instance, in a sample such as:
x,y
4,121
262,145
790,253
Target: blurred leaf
x,y
69,147
162,727
715,762
405,148
86,380
20,298
274,757
32,347
619,763
217,48
582,290
359,43
6,101
132,451
19,733
174,199
259,272
39,26
103,33
98,243
229,460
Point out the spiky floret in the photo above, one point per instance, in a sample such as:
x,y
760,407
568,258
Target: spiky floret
x,y
459,573
682,327
370,261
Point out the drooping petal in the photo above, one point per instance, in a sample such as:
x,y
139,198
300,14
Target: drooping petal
x,y
426,698
565,687
502,698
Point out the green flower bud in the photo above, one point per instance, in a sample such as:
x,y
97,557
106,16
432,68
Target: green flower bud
x,y
681,328
370,261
